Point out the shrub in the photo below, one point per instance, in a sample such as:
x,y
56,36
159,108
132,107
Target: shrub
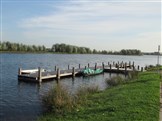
x,y
114,81
58,100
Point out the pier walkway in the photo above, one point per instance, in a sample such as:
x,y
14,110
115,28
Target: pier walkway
x,y
39,75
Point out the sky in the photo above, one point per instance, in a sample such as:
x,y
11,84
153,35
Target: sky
x,y
97,24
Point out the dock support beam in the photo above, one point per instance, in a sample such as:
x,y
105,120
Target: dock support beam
x,y
55,68
58,73
138,67
95,66
110,67
73,72
103,65
39,74
19,71
141,69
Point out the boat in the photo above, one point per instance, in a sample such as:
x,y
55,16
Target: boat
x,y
89,72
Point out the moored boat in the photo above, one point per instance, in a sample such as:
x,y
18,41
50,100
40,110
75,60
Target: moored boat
x,y
89,72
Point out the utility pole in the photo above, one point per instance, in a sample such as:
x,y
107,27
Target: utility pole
x,y
158,59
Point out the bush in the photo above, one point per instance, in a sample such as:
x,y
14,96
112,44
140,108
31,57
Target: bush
x,y
59,101
133,75
114,81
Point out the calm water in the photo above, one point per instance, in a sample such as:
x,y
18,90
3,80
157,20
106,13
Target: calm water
x,y
22,101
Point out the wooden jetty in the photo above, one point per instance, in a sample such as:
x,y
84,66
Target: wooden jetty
x,y
38,75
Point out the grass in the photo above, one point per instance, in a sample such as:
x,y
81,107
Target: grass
x,y
136,100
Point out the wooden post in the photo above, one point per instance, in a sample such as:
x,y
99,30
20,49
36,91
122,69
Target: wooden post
x,y
55,68
116,65
39,74
20,71
145,67
79,66
133,63
129,64
68,67
58,73
73,72
85,67
95,66
118,62
103,65
138,67
88,65
125,67
113,63
110,67
141,69
108,63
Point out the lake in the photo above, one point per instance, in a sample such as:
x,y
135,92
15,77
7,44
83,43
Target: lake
x,y
22,101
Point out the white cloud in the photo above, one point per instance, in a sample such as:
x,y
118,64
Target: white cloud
x,y
99,21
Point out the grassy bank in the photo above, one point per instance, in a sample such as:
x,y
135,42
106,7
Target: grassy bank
x,y
137,99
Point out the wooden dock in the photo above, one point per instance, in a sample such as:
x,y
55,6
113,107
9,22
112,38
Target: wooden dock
x,y
39,75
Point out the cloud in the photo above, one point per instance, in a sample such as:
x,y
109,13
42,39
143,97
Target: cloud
x,y
99,21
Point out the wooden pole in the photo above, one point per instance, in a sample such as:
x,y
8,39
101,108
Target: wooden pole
x,y
55,68
125,67
20,71
95,66
108,63
58,73
103,65
39,74
79,66
116,65
110,67
141,69
85,67
138,67
68,67
113,63
88,65
73,72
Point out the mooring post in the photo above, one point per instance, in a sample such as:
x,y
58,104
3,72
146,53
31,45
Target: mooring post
x,y
141,69
95,66
20,71
79,66
88,65
133,63
58,73
103,65
39,74
108,63
68,67
110,67
113,63
145,67
118,62
116,65
125,67
138,67
73,72
55,68
85,67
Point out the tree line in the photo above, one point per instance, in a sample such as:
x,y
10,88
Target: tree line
x,y
62,48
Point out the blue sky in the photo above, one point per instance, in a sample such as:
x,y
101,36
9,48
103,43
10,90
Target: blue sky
x,y
103,25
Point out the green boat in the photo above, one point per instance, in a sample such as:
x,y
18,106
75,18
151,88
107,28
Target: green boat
x,y
89,72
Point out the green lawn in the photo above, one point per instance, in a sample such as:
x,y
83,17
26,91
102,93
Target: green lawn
x,y
137,100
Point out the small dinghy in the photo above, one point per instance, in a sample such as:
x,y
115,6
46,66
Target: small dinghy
x,y
89,72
